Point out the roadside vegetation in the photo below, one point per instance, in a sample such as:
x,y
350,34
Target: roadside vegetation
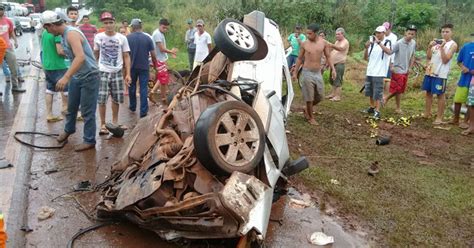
x,y
424,193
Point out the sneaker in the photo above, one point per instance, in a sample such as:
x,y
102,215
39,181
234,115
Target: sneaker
x,y
376,115
369,110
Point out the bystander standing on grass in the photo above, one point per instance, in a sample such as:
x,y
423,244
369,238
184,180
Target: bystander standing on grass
x,y
403,54
377,51
338,55
466,63
440,54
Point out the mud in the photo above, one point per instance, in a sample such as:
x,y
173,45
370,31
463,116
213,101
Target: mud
x,y
54,173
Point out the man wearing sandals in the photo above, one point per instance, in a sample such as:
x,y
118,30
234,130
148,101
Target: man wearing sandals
x,y
440,53
54,68
466,63
112,52
82,79
402,59
311,80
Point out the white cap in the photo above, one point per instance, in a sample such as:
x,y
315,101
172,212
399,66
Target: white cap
x,y
49,17
380,29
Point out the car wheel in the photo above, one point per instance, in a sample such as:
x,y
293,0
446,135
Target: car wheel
x,y
229,136
235,40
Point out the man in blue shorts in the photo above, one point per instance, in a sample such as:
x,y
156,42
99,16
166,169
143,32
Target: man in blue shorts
x,y
440,54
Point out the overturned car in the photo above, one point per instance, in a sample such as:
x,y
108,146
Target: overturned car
x,y
207,165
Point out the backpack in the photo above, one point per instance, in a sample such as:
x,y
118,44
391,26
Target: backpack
x,y
387,41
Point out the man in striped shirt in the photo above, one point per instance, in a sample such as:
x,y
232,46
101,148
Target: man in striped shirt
x,y
88,30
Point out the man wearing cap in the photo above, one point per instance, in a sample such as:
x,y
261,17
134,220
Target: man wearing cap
x,y
295,39
403,54
203,42
440,54
141,47
465,89
6,32
338,54
189,40
112,53
377,51
311,80
82,79
162,56
54,68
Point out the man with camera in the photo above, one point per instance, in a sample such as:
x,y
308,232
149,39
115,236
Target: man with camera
x,y
440,53
377,52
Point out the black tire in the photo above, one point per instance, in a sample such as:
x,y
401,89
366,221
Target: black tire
x,y
240,147
235,40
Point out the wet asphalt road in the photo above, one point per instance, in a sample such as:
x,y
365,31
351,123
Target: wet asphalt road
x,y
9,102
55,172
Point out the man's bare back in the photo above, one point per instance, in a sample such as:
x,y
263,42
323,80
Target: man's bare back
x,y
313,51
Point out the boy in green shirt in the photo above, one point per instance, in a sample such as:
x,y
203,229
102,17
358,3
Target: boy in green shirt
x,y
54,68
295,39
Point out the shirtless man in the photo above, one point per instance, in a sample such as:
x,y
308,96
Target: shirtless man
x,y
311,80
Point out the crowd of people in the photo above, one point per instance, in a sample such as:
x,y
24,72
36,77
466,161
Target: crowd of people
x,y
87,64
389,62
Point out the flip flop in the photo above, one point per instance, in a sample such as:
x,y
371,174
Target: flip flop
x,y
467,132
54,119
103,131
436,123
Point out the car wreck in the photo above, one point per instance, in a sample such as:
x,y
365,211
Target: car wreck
x,y
206,166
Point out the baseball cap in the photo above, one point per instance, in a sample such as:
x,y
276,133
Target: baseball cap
x,y
411,27
135,22
387,25
189,21
199,22
48,17
106,16
380,29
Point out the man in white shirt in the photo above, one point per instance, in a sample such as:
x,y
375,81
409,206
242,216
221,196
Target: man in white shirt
x,y
112,52
389,35
440,54
203,42
377,51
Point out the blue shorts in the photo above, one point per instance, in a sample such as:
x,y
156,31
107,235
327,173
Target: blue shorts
x,y
434,85
52,78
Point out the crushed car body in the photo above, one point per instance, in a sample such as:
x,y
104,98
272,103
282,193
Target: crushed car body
x,y
207,165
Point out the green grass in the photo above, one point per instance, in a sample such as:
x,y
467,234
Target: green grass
x,y
423,202
414,201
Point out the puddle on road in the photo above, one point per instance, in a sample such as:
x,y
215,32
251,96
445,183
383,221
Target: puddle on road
x,y
292,227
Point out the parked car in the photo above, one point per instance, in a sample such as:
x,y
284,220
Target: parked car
x,y
206,166
26,23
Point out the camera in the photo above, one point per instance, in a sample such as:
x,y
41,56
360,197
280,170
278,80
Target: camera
x,y
439,41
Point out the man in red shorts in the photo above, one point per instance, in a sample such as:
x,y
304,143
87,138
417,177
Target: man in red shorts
x,y
404,55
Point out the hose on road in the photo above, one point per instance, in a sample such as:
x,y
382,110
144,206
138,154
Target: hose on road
x,y
52,135
82,231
